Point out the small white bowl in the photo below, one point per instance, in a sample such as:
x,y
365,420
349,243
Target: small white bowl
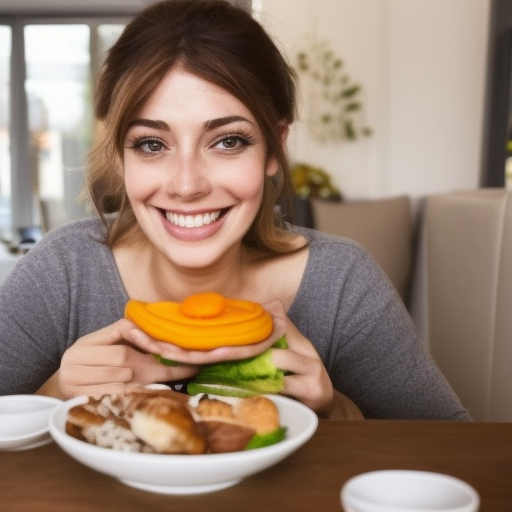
x,y
408,491
187,474
24,421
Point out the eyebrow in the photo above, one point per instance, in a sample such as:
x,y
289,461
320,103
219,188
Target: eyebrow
x,y
149,123
221,121
212,124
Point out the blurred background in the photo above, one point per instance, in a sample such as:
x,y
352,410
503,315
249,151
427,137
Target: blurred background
x,y
422,71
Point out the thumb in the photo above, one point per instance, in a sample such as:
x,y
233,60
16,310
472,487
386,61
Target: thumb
x,y
279,317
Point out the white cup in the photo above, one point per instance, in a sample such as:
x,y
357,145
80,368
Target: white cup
x,y
25,415
408,491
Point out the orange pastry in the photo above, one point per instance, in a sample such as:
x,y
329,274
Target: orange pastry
x,y
202,322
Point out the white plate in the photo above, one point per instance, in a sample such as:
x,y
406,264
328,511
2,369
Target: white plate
x,y
24,421
187,474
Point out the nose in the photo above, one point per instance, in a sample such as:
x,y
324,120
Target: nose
x,y
187,178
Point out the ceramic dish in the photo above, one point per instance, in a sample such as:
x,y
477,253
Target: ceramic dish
x,y
187,474
408,491
24,421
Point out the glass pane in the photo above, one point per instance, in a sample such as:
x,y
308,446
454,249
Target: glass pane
x,y
59,113
5,160
107,36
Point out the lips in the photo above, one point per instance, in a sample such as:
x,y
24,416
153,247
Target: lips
x,y
192,221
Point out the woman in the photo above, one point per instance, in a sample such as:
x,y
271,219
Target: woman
x,y
195,103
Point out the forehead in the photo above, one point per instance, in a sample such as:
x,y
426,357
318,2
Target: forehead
x,y
183,93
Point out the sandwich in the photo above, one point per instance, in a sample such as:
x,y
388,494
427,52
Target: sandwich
x,y
209,320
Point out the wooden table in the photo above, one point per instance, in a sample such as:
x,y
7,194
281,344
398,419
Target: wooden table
x,y
45,479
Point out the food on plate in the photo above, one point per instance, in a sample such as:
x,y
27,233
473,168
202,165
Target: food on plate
x,y
249,422
209,320
168,422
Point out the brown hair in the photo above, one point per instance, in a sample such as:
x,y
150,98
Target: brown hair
x,y
217,42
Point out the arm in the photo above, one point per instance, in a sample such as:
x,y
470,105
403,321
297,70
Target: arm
x,y
366,338
31,338
342,408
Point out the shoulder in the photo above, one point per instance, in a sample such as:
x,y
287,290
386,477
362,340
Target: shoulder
x,y
333,249
81,231
77,237
68,246
341,266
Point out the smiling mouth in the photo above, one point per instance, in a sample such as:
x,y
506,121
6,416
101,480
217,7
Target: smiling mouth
x,y
194,221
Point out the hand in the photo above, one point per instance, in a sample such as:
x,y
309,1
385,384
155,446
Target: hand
x,y
108,361
309,381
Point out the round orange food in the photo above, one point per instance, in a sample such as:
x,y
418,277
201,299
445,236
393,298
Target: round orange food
x,y
202,322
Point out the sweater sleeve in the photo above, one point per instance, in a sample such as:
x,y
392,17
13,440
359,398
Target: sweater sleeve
x,y
347,307
34,308
63,288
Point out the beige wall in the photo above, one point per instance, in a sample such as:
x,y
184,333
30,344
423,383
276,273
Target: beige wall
x,y
422,65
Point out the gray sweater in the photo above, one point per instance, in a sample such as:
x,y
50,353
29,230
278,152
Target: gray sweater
x,y
68,285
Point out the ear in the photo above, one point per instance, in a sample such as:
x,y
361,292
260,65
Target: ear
x,y
272,164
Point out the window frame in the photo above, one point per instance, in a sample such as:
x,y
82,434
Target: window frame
x,y
25,208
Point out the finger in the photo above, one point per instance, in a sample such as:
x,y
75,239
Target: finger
x,y
298,343
128,365
294,337
247,351
275,308
154,371
97,390
108,335
96,375
297,386
295,362
198,357
107,379
228,353
307,391
87,355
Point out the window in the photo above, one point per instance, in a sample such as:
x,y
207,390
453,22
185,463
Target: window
x,y
5,164
47,68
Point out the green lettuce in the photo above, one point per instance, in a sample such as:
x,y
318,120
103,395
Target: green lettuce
x,y
242,378
262,440
167,362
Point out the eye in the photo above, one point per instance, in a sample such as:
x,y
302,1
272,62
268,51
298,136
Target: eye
x,y
232,143
146,145
151,146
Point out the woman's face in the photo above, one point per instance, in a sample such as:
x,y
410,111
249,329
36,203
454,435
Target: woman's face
x,y
194,166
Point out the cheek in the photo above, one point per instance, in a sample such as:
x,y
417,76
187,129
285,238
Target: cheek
x,y
138,184
247,181
247,187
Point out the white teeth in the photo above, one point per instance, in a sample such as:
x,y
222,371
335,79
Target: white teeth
x,y
192,221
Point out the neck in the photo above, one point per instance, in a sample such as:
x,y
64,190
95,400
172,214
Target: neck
x,y
157,279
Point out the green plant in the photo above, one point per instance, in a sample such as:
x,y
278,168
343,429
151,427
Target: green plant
x,y
334,104
309,181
